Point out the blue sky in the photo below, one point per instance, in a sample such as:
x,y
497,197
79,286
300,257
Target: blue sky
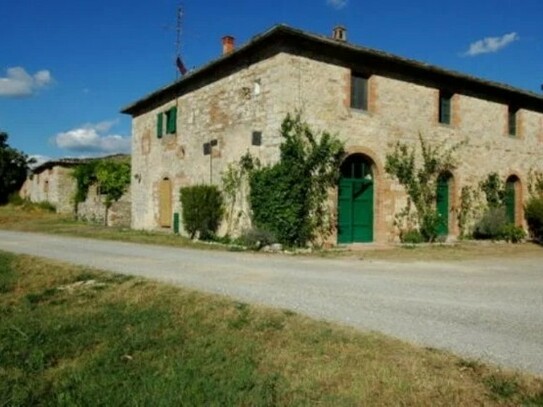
x,y
68,67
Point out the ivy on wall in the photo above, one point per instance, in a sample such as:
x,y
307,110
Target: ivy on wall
x,y
290,198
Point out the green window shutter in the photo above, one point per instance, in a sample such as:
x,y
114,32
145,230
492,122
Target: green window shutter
x,y
159,125
359,92
172,120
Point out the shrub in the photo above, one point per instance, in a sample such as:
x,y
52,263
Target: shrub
x,y
412,236
202,210
256,238
512,233
492,223
15,199
534,216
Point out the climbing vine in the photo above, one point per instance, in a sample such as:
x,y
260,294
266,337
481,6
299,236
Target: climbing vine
x,y
290,198
419,177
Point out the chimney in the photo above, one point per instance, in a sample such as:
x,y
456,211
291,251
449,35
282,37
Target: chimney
x,y
340,33
227,44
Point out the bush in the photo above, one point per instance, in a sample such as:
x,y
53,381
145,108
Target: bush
x,y
534,216
202,210
492,224
15,199
512,233
256,238
412,236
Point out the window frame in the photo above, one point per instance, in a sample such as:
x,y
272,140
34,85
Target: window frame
x,y
360,91
512,121
445,107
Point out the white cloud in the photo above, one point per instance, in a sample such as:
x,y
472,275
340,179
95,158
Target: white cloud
x,y
93,138
491,44
337,4
18,82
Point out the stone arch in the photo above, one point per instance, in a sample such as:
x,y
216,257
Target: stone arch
x,y
356,198
514,199
165,203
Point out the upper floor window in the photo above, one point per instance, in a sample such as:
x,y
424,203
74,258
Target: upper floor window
x,y
168,120
512,120
359,91
445,105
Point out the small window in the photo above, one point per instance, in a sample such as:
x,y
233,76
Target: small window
x,y
159,125
512,120
256,138
256,87
359,92
171,120
207,148
445,99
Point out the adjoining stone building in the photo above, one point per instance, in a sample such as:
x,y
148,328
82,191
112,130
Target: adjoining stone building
x,y
53,182
187,133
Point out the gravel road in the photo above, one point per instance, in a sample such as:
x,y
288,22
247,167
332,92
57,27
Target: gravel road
x,y
487,309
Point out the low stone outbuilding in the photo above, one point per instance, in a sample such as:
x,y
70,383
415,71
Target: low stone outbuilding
x,y
189,131
52,182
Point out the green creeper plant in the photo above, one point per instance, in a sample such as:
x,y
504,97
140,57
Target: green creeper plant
x,y
290,198
419,178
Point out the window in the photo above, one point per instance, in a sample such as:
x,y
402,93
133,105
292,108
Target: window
x,y
170,117
359,92
445,99
512,120
256,138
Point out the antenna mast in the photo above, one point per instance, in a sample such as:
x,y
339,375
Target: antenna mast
x,y
178,31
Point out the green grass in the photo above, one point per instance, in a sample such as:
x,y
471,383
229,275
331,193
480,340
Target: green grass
x,y
74,336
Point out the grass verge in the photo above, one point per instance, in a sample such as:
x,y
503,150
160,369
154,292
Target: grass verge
x,y
32,218
73,336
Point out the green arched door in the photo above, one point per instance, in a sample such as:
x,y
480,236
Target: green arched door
x,y
355,201
442,205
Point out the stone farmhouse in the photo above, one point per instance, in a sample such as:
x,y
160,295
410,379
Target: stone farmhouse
x,y
187,132
53,182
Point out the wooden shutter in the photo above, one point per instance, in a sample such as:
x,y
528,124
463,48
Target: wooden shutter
x,y
172,120
159,125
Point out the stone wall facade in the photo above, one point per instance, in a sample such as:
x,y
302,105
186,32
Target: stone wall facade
x,y
93,209
258,96
54,185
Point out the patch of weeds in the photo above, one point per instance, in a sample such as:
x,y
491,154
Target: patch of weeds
x,y
7,275
242,319
85,276
465,364
271,323
45,295
288,313
534,401
501,387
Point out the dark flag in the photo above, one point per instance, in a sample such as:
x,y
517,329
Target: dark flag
x,y
181,66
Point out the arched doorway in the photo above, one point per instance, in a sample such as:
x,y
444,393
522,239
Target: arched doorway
x,y
355,200
443,203
165,203
512,198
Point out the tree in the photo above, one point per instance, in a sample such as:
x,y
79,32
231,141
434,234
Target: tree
x,y
13,168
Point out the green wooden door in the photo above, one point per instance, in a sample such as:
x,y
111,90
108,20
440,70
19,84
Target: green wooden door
x,y
510,201
355,211
442,205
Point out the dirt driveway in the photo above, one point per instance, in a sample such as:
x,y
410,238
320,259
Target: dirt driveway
x,y
486,309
